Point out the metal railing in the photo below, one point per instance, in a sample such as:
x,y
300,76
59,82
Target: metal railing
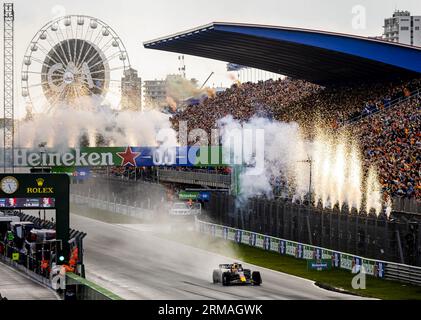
x,y
406,205
185,209
390,105
144,211
403,273
198,178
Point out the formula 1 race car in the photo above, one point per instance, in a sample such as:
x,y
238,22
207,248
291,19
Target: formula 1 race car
x,y
228,274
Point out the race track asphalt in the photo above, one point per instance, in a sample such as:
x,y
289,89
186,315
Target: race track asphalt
x,y
134,262
17,286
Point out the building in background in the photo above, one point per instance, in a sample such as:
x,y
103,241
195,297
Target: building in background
x,y
170,91
403,28
131,91
154,92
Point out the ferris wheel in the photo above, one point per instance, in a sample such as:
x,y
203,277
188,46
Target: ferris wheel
x,y
70,59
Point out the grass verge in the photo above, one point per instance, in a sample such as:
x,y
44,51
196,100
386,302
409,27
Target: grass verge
x,y
337,278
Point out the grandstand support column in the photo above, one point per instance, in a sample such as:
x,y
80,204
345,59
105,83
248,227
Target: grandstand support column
x,y
338,242
418,252
284,230
356,234
376,245
366,236
291,225
299,225
386,242
322,228
347,233
398,240
330,230
310,238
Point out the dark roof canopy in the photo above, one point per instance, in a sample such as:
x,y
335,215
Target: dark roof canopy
x,y
320,57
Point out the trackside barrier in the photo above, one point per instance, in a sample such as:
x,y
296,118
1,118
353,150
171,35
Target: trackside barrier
x,y
22,268
403,273
120,208
350,262
86,290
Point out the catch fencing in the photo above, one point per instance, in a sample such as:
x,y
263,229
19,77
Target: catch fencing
x,y
195,177
396,239
376,268
113,206
142,200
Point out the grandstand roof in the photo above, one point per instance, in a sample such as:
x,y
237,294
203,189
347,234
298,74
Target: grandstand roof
x,y
316,56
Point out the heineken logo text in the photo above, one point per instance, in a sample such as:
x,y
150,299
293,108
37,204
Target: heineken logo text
x,y
76,157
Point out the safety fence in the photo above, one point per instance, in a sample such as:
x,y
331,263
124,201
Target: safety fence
x,y
117,206
74,287
140,194
346,261
396,238
391,104
412,206
31,267
195,177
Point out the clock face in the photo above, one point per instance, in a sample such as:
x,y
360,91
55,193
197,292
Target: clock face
x,y
9,185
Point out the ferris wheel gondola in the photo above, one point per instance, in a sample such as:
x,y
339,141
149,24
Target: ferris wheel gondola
x,y
71,58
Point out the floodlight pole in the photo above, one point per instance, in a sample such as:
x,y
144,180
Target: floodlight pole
x,y
8,89
310,162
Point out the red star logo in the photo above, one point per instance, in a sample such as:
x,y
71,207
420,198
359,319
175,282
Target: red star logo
x,y
128,157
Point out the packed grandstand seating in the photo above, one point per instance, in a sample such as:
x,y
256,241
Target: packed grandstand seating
x,y
390,138
295,100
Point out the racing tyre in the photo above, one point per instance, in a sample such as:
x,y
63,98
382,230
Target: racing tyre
x,y
225,279
257,279
215,276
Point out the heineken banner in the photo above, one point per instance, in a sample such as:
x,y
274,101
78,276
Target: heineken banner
x,y
274,244
291,248
246,237
231,234
318,258
346,262
119,156
260,241
219,231
194,195
308,253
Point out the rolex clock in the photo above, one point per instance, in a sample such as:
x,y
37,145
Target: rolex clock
x,y
9,184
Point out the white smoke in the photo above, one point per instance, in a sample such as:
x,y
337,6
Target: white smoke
x,y
337,170
283,149
65,127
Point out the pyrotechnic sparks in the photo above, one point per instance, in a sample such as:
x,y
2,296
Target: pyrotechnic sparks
x,y
336,163
373,192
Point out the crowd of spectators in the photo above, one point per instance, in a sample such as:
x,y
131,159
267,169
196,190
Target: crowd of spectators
x,y
391,138
294,100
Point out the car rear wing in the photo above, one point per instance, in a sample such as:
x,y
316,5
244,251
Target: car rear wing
x,y
185,209
225,266
228,266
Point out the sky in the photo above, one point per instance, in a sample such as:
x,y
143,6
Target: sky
x,y
137,21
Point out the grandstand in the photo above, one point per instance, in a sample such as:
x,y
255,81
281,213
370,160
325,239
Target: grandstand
x,y
334,80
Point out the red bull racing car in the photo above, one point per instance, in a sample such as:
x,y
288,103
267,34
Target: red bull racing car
x,y
234,273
